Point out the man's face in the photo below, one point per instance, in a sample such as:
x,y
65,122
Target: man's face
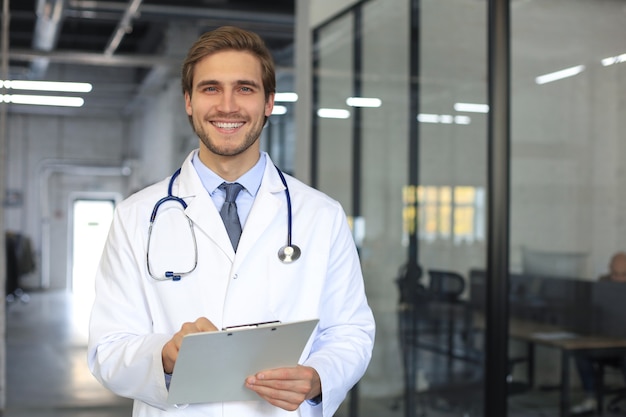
x,y
227,104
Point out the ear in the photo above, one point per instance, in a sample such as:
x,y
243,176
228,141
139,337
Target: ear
x,y
188,108
269,105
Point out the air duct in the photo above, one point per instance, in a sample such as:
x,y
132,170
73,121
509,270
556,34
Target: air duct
x,y
47,29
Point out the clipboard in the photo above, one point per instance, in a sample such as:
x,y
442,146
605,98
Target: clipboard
x,y
213,366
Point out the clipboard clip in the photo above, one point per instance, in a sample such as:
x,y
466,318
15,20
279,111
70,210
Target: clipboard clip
x,y
251,325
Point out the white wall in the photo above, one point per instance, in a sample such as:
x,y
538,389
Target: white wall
x,y
51,157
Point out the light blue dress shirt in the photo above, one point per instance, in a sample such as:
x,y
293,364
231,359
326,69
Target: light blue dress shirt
x,y
251,182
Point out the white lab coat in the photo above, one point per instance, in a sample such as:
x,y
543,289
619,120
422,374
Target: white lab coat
x,y
134,315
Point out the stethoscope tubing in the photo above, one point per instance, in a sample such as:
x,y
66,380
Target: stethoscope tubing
x,y
168,197
286,254
288,196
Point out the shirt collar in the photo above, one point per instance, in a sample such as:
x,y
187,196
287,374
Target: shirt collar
x,y
251,180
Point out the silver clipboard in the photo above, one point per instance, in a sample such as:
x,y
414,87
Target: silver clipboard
x,y
213,366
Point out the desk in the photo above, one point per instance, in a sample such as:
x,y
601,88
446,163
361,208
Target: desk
x,y
566,342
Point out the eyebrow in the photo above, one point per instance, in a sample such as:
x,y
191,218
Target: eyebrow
x,y
250,83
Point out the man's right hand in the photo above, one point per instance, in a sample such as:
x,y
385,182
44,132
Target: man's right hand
x,y
169,353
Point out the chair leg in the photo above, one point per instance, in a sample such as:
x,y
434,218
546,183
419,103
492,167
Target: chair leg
x,y
599,386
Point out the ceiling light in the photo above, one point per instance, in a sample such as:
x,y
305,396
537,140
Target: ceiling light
x,y
471,107
428,118
286,97
333,113
462,120
278,110
445,119
363,102
66,87
614,60
43,100
559,75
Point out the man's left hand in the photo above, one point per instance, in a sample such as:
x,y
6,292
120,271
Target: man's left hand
x,y
286,388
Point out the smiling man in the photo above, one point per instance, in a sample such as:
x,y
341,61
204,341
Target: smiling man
x,y
228,106
232,248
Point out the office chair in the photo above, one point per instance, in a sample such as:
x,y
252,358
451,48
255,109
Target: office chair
x,y
445,285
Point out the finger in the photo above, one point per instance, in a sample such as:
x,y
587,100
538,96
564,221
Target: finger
x,y
297,373
285,405
283,398
169,354
187,328
282,384
275,388
205,325
279,374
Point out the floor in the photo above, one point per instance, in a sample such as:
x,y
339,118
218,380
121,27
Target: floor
x,y
47,375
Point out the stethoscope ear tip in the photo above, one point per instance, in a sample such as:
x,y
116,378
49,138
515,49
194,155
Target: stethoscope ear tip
x,y
289,253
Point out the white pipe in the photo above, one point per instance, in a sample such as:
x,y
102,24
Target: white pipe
x,y
123,27
4,71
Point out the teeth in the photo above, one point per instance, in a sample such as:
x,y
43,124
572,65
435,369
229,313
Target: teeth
x,y
230,125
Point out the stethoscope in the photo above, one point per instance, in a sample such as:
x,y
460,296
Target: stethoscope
x,y
286,254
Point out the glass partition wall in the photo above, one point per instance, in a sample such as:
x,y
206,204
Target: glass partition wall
x,y
567,204
410,170
400,138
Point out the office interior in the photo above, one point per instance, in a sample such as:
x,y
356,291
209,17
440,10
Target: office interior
x,y
392,120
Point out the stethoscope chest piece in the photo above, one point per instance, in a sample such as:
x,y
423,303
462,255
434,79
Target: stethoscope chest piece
x,y
289,253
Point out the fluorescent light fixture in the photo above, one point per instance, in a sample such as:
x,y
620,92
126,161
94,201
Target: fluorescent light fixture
x,y
66,87
614,60
559,75
428,118
278,109
43,100
363,102
286,97
471,107
333,113
445,119
462,120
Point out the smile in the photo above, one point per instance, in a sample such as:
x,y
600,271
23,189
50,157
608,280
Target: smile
x,y
228,125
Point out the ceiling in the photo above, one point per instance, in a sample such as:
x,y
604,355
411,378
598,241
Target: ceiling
x,y
118,44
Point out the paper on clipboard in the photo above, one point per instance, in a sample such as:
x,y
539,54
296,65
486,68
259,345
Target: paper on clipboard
x,y
213,366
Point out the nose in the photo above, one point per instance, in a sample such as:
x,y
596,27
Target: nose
x,y
228,102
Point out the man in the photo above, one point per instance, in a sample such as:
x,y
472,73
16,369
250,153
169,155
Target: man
x,y
585,363
617,268
140,316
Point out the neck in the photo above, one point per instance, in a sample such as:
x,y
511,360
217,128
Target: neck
x,y
230,168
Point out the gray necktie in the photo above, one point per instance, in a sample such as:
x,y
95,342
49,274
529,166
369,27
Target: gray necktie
x,y
229,212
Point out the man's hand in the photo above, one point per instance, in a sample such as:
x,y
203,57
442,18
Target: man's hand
x,y
286,388
169,353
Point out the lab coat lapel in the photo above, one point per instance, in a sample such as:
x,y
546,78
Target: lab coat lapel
x,y
201,209
269,203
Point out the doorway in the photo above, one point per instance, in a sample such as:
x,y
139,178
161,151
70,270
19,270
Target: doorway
x,y
91,219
